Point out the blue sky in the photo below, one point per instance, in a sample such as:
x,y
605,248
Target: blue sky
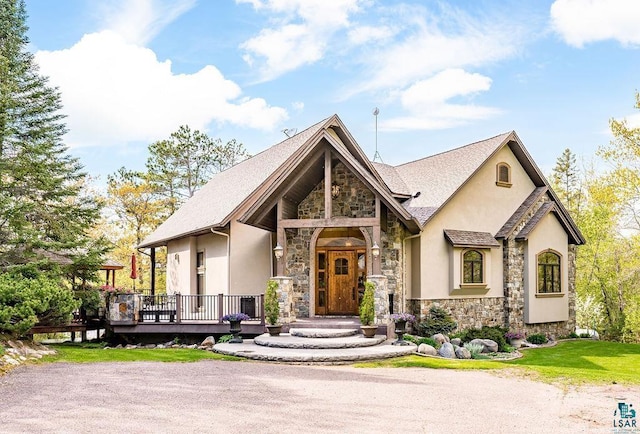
x,y
443,74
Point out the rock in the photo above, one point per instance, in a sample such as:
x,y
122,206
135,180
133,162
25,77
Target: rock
x,y
208,342
440,338
463,353
150,346
192,347
427,349
446,351
456,341
175,346
488,346
160,346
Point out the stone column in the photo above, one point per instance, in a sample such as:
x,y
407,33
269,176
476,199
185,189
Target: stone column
x,y
381,302
285,299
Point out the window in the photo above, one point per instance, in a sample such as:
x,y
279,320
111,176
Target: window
x,y
199,278
549,273
341,266
503,175
472,267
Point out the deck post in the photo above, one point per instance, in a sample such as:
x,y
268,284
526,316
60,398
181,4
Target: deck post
x,y
220,307
262,309
178,308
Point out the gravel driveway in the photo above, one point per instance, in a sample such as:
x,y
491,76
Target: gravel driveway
x,y
250,397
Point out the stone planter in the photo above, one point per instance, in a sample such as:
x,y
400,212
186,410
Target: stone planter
x,y
401,329
516,343
368,331
123,309
274,330
235,328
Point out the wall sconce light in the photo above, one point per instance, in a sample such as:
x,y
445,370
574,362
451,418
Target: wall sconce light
x,y
335,190
375,250
278,251
176,257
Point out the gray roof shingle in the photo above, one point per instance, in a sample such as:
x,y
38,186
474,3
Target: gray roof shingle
x,y
470,239
215,202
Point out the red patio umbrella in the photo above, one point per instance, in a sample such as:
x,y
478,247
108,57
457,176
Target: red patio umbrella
x,y
134,270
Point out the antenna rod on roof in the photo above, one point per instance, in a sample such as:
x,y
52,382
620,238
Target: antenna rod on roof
x,y
377,154
290,131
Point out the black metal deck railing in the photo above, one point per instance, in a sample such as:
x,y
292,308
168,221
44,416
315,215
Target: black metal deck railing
x,y
178,308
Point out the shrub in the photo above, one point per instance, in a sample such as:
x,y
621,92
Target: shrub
x,y
537,339
421,340
271,306
495,333
585,335
474,349
367,309
91,299
224,338
25,302
438,321
573,335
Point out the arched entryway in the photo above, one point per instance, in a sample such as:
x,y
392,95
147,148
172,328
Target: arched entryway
x,y
340,270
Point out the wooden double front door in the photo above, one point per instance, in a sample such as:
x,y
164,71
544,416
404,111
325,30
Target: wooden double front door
x,y
340,278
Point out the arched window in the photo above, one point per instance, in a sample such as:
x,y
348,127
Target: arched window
x,y
472,267
503,175
549,280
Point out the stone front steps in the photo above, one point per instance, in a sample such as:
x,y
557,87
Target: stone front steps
x,y
314,345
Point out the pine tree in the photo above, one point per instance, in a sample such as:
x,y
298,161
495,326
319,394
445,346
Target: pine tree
x,y
43,202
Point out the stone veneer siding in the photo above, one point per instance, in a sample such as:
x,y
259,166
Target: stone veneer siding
x,y
507,311
354,200
467,312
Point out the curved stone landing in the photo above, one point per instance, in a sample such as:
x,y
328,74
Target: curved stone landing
x,y
250,350
286,340
322,333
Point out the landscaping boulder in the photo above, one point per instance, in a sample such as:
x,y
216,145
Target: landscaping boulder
x,y
427,349
456,341
208,342
488,346
463,353
447,351
440,338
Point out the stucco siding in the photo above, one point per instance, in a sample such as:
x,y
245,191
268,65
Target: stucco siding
x,y
479,206
250,259
539,308
214,248
179,266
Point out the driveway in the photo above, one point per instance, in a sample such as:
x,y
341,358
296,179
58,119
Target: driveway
x,y
250,397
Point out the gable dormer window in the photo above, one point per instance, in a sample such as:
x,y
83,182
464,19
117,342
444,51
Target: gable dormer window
x,y
503,175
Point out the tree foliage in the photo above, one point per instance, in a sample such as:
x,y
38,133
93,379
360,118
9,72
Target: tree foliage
x,y
25,302
183,163
43,203
608,266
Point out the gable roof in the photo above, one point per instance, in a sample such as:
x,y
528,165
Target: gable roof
x,y
213,205
336,137
419,184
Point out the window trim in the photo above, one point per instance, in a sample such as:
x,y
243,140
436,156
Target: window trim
x,y
549,294
499,181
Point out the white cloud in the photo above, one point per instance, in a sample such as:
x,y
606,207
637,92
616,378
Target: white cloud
x,y
428,106
582,21
366,34
114,91
434,43
300,36
139,21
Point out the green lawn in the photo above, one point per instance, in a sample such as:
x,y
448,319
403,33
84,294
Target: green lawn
x,y
95,353
569,362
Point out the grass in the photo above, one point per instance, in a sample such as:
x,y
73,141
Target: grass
x,y
95,353
584,361
569,362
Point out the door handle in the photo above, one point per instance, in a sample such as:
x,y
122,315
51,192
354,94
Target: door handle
x,y
353,293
